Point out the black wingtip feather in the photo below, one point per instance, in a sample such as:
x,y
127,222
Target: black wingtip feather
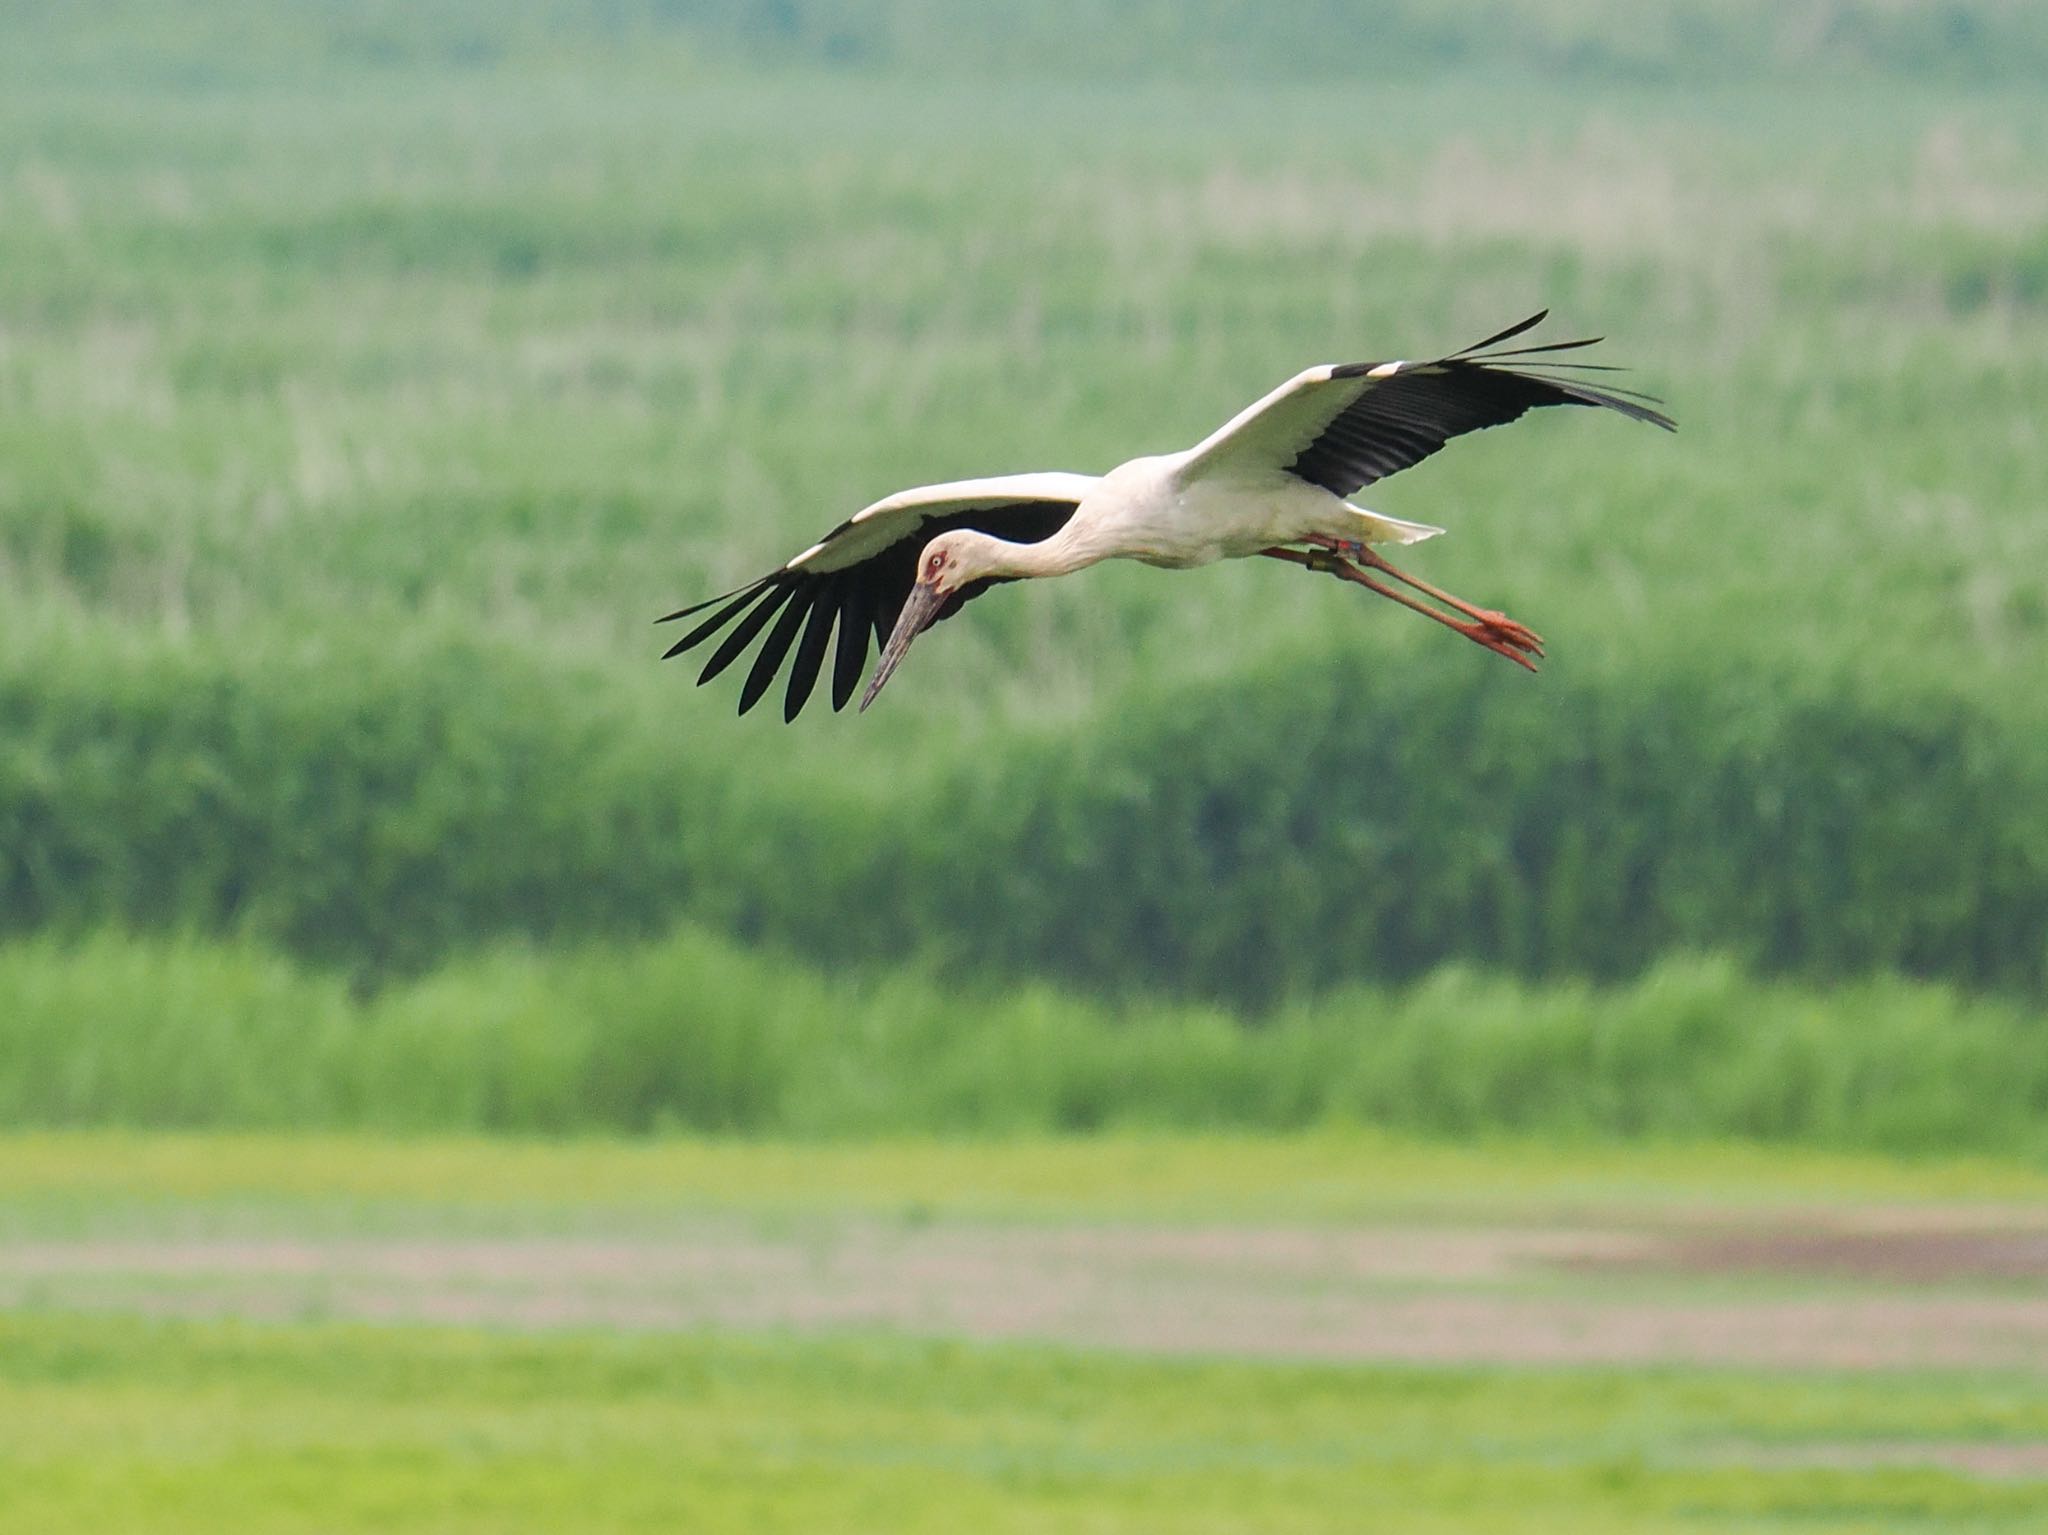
x,y
744,631
1531,351
769,658
1509,334
850,657
810,653
698,607
1586,395
1531,371
1547,362
716,621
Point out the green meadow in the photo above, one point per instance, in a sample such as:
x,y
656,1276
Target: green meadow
x,y
135,1413
178,1426
61,1180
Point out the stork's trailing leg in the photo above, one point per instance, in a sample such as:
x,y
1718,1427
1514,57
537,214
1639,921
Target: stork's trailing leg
x,y
1496,631
1518,635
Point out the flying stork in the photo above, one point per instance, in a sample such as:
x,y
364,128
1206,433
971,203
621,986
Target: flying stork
x,y
1271,481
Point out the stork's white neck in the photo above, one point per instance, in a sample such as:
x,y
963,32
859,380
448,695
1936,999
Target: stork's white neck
x,y
1125,514
1071,548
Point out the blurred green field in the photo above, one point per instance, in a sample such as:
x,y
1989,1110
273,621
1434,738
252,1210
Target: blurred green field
x,y
139,1418
360,405
58,1179
130,1426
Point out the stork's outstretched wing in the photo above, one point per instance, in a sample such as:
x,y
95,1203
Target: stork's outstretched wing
x,y
858,576
1344,425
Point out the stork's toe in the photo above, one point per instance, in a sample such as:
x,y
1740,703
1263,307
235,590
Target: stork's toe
x,y
1521,636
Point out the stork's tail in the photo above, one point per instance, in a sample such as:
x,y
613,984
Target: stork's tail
x,y
1382,529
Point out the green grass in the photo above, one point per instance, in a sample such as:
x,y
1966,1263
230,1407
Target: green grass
x,y
113,1423
119,1425
695,1033
1325,1176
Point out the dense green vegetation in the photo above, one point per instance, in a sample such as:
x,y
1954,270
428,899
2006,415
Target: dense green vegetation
x,y
693,1034
379,800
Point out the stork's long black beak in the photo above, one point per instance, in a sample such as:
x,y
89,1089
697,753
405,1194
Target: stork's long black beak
x,y
919,610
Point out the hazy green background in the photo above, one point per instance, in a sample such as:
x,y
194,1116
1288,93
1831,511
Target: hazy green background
x,y
371,374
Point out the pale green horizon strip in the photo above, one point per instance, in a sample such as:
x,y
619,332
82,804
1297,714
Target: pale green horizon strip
x,y
1314,1176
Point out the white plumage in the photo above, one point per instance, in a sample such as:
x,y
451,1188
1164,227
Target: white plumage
x,y
1271,481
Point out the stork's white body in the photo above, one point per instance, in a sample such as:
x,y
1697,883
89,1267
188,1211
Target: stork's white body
x,y
1173,511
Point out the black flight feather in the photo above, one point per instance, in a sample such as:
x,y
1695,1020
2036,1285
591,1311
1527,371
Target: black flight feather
x,y
729,649
1399,419
773,649
851,654
1509,334
810,654
711,625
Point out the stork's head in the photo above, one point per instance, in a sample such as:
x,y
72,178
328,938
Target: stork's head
x,y
952,560
946,565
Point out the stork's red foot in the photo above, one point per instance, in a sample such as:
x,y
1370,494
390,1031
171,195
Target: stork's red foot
x,y
1504,637
1502,627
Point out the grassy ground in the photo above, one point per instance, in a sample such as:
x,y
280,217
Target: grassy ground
x,y
302,1424
1335,1176
131,1427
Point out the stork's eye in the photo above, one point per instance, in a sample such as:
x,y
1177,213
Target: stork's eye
x,y
935,564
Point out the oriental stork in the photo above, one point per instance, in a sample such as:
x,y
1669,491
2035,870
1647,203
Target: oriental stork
x,y
1271,481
